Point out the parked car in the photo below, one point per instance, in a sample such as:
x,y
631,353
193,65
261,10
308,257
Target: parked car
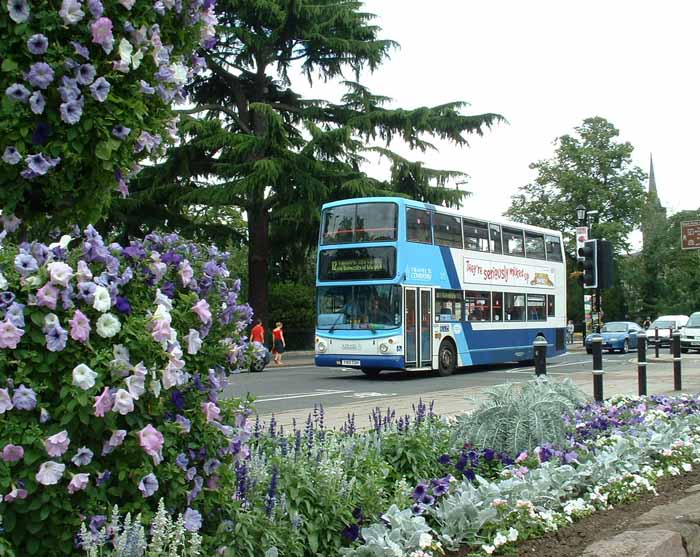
x,y
617,335
665,324
261,357
690,334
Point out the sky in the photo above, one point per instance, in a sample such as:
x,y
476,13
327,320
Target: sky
x,y
546,65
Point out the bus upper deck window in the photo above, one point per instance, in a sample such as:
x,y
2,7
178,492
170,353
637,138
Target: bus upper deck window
x,y
534,245
495,242
513,241
553,245
418,226
476,235
447,230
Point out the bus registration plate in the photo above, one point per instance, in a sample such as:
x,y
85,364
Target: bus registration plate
x,y
349,362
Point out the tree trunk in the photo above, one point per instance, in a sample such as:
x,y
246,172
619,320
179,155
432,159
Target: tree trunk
x,y
258,261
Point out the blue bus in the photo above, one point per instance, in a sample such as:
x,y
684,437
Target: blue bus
x,y
405,285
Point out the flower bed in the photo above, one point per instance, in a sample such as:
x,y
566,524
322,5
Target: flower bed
x,y
111,362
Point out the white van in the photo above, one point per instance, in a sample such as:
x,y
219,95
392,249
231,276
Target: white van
x,y
664,323
690,336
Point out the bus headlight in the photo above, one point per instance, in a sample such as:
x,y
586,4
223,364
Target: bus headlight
x,y
321,346
383,348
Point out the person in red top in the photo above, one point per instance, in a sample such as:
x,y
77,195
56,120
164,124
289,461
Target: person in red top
x,y
278,343
257,334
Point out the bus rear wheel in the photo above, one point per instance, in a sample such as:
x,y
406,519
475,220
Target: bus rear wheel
x,y
371,371
447,359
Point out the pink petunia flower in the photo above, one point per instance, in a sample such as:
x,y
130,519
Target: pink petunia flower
x,y
79,327
57,444
47,296
78,482
102,34
12,453
103,403
151,441
201,308
9,334
211,411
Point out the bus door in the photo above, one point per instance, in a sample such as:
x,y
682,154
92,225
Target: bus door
x,y
418,327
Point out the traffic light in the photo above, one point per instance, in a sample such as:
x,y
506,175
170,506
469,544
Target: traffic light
x,y
589,253
606,264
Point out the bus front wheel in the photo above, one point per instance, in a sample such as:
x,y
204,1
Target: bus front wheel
x,y
447,358
371,371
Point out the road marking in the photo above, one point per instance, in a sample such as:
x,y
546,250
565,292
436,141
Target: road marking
x,y
302,395
368,395
529,370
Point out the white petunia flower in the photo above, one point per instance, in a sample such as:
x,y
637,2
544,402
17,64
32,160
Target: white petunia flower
x,y
84,377
103,301
60,273
108,325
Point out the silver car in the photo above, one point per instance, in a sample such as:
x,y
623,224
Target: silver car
x,y
690,334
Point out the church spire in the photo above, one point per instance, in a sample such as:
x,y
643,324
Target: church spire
x,y
652,180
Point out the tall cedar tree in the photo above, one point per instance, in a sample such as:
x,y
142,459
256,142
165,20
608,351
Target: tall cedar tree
x,y
254,143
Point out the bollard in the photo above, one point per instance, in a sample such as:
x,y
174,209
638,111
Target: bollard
x,y
670,341
656,342
597,344
539,349
642,363
676,344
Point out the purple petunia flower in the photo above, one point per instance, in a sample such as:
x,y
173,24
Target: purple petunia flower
x,y
182,461
38,44
96,8
184,423
19,10
146,89
25,264
82,457
40,75
100,89
24,398
41,135
71,112
37,102
18,92
123,305
102,34
121,132
69,89
56,338
103,477
11,155
97,522
80,50
148,485
38,164
85,74
193,520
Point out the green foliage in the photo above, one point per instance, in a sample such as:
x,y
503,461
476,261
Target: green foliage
x,y
516,418
89,156
294,305
591,169
265,149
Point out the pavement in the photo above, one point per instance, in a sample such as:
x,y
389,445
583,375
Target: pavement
x,y
671,530
461,400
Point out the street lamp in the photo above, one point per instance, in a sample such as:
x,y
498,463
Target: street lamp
x,y
581,215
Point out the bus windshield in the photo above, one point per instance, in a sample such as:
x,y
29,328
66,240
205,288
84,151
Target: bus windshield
x,y
359,307
359,222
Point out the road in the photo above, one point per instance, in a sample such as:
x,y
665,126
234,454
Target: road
x,y
300,386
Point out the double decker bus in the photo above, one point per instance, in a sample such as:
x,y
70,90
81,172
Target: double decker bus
x,y
405,285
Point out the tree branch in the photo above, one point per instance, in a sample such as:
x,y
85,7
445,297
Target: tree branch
x,y
216,108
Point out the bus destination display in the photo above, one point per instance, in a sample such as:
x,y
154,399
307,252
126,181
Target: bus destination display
x,y
357,263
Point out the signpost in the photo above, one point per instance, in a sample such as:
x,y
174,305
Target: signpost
x,y
690,234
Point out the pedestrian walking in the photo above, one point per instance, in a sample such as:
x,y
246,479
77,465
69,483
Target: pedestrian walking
x,y
257,333
278,344
570,331
647,323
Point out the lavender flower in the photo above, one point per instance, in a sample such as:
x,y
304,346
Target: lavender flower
x,y
121,132
100,89
271,497
19,10
146,89
18,92
69,89
85,74
82,457
102,34
11,155
182,461
38,164
25,264
38,44
40,75
71,112
37,102
80,50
